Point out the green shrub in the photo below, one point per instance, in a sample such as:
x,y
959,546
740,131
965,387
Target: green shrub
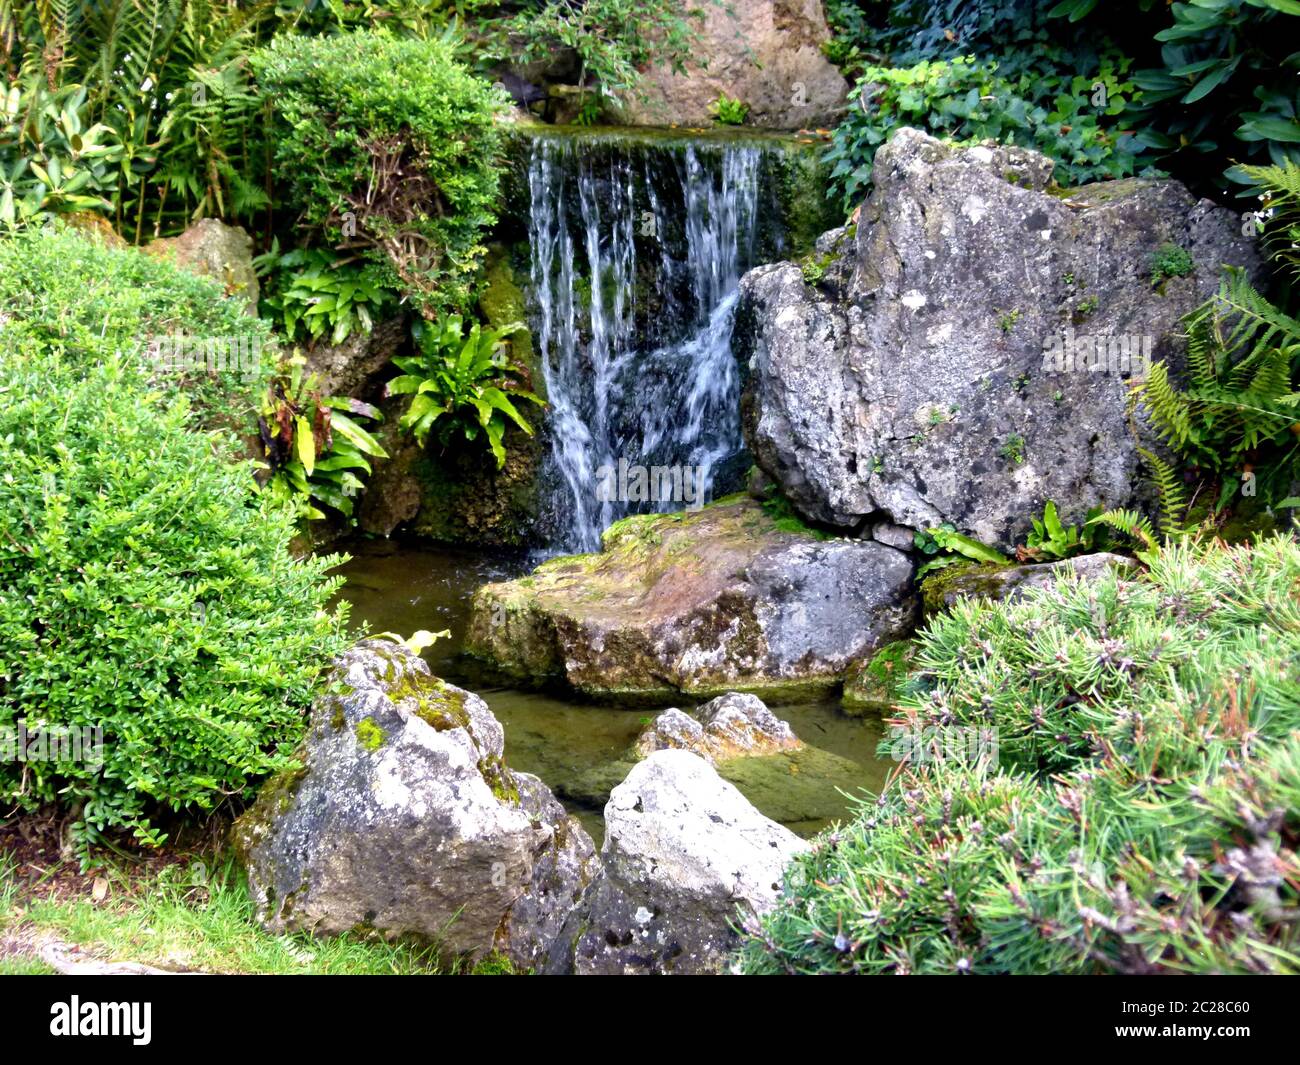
x,y
144,590
968,100
85,300
387,146
1139,810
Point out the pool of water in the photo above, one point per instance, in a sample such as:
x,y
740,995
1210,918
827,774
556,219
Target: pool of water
x,y
574,745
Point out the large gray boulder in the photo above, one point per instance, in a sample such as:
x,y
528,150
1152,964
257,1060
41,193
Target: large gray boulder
x,y
766,53
922,379
405,820
703,602
686,860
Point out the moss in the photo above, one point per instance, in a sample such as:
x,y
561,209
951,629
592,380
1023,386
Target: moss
x,y
369,734
878,683
964,579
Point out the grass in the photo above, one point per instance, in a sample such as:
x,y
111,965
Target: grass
x,y
187,917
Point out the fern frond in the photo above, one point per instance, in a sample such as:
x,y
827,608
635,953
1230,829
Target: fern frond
x,y
1173,495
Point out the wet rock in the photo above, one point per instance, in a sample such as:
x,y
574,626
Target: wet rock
x,y
945,587
355,365
735,725
766,53
703,602
216,250
928,382
405,820
685,857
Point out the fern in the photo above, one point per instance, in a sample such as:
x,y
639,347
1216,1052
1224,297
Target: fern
x,y
1281,186
1137,527
1239,410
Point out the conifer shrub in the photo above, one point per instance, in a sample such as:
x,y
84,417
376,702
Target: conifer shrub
x,y
146,590
1139,811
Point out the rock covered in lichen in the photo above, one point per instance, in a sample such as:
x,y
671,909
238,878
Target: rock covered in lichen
x,y
990,581
721,599
920,376
735,725
405,819
686,858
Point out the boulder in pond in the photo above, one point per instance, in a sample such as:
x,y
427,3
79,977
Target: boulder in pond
x,y
700,602
686,859
965,355
405,820
735,725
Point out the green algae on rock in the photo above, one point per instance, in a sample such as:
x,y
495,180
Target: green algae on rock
x,y
704,602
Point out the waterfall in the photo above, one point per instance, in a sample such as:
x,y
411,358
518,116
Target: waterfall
x,y
636,254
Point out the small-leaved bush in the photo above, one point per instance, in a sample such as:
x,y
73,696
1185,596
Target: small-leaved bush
x,y
82,298
1137,812
387,147
147,590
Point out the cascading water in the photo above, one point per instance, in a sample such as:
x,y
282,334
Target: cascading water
x,y
636,255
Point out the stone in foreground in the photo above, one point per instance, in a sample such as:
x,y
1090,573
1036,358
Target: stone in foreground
x,y
966,355
702,603
735,725
685,858
405,820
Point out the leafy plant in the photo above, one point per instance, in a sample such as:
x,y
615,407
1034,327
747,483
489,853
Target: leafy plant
x,y
462,383
1169,260
403,144
51,160
1281,211
315,292
145,592
945,546
1049,539
313,445
967,100
729,112
614,40
1237,420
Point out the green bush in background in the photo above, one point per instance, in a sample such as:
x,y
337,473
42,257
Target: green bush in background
x,y
390,147
1139,812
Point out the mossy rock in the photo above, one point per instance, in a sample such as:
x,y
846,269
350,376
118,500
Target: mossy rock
x,y
878,684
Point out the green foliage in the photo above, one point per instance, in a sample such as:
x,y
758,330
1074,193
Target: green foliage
x,y
313,445
143,591
945,545
729,112
314,292
170,79
462,383
1226,86
968,100
1281,208
51,161
1050,540
85,300
1133,804
1169,260
1236,421
402,143
614,40
1136,526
